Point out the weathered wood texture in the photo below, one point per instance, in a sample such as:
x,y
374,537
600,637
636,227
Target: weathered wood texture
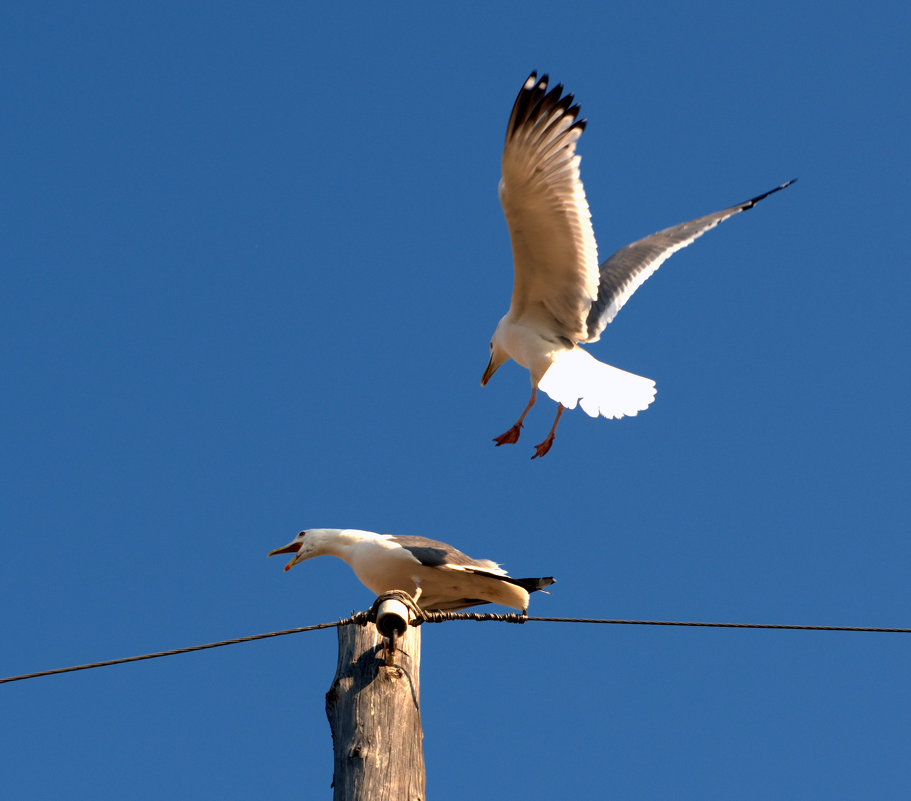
x,y
375,716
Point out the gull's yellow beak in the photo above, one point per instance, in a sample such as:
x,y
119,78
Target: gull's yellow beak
x,y
291,547
488,372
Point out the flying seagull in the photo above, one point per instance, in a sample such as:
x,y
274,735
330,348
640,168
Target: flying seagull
x,y
435,574
560,296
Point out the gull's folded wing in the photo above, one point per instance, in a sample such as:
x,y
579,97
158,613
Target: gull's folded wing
x,y
433,553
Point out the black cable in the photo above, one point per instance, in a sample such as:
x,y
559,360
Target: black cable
x,y
442,617
352,619
362,618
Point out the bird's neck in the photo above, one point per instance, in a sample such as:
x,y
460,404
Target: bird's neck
x,y
532,343
340,541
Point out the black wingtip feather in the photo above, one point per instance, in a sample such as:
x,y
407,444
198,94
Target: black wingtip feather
x,y
531,584
534,99
748,204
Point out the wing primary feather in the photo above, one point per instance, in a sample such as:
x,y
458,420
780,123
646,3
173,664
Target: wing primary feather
x,y
529,584
554,251
748,204
627,269
526,101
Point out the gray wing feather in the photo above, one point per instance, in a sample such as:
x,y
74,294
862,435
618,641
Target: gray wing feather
x,y
624,272
433,553
429,557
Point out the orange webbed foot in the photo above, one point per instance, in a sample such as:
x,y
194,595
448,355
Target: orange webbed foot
x,y
511,437
543,447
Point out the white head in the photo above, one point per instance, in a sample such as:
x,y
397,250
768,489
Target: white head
x,y
310,543
498,354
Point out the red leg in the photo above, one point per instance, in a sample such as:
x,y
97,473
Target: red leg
x,y
512,436
543,447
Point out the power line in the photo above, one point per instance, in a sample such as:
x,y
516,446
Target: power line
x,y
157,654
443,617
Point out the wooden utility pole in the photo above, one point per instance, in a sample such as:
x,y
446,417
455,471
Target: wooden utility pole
x,y
375,715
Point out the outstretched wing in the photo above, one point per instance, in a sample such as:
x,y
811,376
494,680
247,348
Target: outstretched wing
x,y
625,271
555,257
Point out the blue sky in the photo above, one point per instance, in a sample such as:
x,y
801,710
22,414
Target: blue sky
x,y
253,257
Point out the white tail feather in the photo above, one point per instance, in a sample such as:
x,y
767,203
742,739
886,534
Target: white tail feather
x,y
578,377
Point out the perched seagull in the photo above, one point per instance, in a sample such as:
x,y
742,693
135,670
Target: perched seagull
x,y
560,296
432,572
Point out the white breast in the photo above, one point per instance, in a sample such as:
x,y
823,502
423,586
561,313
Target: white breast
x,y
531,346
382,566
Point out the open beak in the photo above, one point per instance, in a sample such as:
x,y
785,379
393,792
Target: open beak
x,y
291,547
